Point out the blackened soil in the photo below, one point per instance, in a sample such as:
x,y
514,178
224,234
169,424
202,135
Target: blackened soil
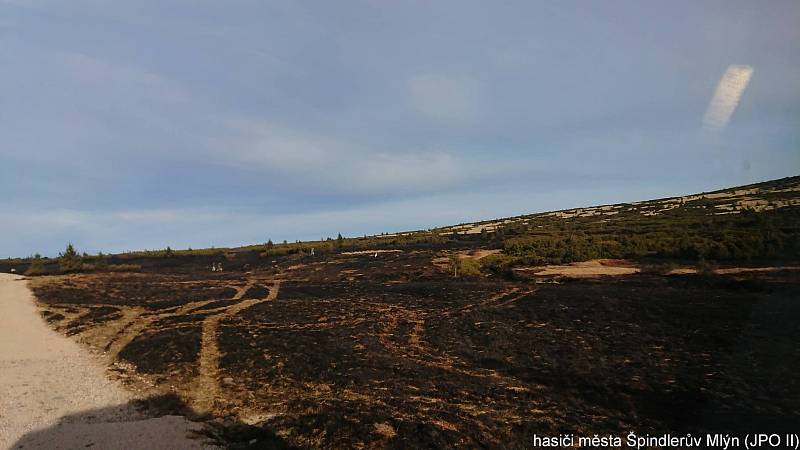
x,y
643,353
165,349
258,291
388,352
155,292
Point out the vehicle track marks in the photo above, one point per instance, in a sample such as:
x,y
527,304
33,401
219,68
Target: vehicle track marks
x,y
134,326
415,349
208,379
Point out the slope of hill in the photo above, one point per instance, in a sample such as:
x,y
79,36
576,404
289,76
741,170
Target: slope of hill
x,y
746,223
466,335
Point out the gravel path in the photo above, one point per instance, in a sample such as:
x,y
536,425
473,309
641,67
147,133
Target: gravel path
x,y
54,395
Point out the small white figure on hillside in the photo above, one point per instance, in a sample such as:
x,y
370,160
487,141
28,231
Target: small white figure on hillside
x,y
375,255
213,267
219,267
13,270
312,251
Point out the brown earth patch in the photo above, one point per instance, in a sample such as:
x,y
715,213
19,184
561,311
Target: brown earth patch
x,y
585,269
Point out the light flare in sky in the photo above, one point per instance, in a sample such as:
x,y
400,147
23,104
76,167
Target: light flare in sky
x,y
727,96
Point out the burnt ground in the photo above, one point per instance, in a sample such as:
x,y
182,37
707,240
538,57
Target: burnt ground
x,y
355,351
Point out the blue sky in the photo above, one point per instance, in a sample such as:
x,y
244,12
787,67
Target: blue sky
x,y
129,125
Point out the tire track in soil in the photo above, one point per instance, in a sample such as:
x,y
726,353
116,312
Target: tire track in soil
x,y
416,350
207,382
141,322
499,300
241,290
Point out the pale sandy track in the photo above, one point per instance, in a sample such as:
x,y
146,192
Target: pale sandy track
x,y
207,389
55,395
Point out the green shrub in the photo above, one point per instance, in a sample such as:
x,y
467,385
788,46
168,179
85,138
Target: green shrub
x,y
499,264
69,260
469,268
36,268
101,262
497,261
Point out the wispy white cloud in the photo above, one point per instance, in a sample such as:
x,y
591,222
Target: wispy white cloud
x,y
306,159
150,216
262,144
425,170
92,107
87,68
121,83
447,100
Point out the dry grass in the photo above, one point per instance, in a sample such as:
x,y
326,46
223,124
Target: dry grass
x,y
586,269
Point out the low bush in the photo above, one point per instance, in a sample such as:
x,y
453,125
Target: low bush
x,y
124,268
706,268
658,268
36,268
469,268
69,261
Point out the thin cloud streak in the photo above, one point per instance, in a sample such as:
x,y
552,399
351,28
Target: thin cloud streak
x,y
309,161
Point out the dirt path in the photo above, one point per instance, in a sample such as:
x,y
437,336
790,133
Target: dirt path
x,y
208,380
133,323
55,395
